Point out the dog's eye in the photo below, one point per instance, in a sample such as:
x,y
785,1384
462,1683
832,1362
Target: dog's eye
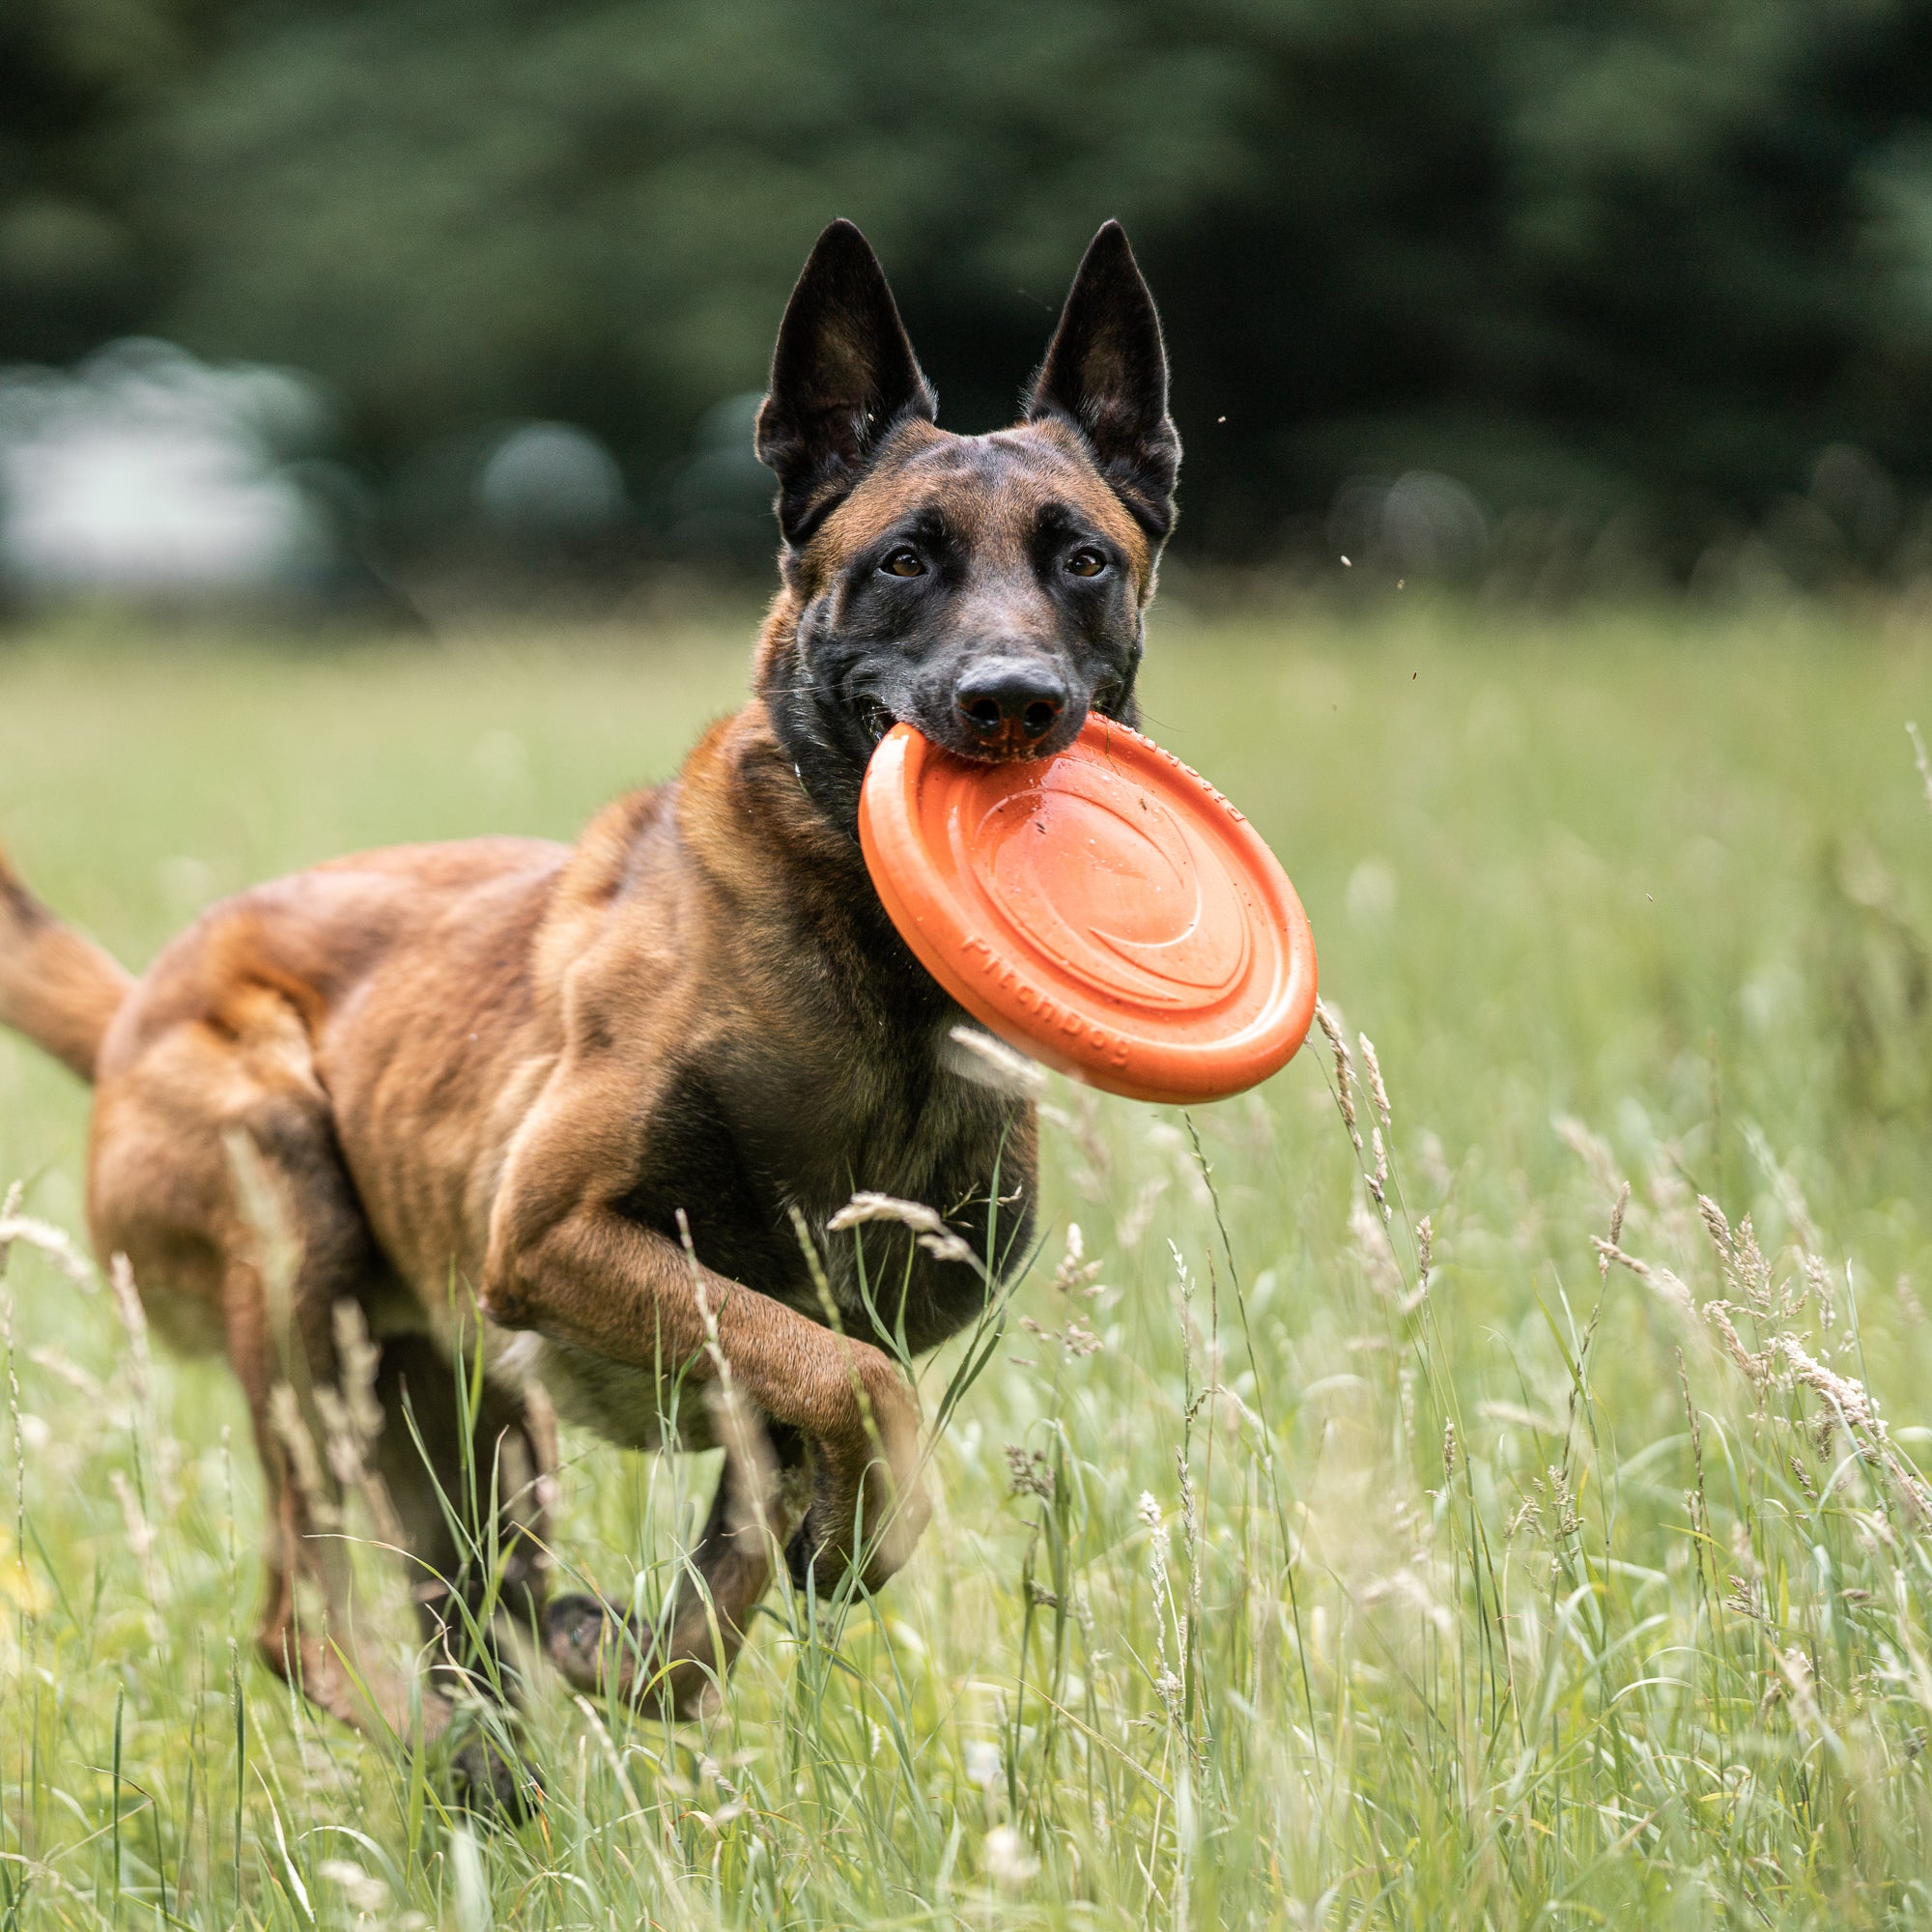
x,y
902,563
1085,563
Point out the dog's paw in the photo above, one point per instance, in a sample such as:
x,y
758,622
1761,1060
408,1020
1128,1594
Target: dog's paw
x,y
583,1636
490,1779
837,1536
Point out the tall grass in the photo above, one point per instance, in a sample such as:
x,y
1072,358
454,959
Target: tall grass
x,y
1472,1483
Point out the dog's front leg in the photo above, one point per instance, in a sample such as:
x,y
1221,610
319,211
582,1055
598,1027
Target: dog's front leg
x,y
566,1262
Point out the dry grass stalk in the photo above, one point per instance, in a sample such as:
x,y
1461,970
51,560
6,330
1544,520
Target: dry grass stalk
x,y
357,1356
1756,1368
1923,762
1131,1229
1377,1177
1191,1537
1785,1184
1605,1250
134,1518
1819,1277
1590,1149
1695,1501
1846,1400
304,1462
701,1292
134,1320
1167,1687
1563,1522
1028,1473
1378,1093
1495,1409
351,1419
44,1238
1719,1230
992,1063
1756,1273
760,1505
1076,1339
1076,1274
927,1226
139,1532
1330,1023
1368,1237
1661,1280
1746,1271
1847,1404
164,1450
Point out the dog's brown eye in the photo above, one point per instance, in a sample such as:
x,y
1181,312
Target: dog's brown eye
x,y
902,563
1085,563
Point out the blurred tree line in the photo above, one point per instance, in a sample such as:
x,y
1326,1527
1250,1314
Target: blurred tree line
x,y
1635,259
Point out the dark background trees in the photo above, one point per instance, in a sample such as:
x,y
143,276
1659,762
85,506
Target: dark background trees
x,y
1605,258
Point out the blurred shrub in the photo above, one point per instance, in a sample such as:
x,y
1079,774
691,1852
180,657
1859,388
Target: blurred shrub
x,y
1624,266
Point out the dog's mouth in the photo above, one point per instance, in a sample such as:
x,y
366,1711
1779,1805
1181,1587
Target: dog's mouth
x,y
1014,749
874,719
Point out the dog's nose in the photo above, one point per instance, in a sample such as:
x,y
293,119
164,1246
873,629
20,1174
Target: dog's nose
x,y
1008,704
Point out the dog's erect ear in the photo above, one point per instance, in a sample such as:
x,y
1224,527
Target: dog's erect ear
x,y
1106,373
843,375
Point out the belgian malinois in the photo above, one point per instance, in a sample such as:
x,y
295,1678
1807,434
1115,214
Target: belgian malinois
x,y
585,1109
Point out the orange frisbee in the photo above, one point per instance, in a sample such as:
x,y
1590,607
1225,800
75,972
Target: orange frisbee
x,y
1106,910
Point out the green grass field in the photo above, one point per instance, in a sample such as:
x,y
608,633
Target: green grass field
x,y
1536,1590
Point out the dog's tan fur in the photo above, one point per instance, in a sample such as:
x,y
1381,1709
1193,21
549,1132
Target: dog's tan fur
x,y
476,1033
482,1086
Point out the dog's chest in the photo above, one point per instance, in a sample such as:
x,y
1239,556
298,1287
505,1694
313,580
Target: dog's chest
x,y
759,1149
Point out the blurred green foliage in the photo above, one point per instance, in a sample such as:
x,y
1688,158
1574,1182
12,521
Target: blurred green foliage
x,y
1647,256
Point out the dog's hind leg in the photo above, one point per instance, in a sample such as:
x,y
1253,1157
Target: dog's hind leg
x,y
461,1480
470,1476
675,1668
300,1256
214,1169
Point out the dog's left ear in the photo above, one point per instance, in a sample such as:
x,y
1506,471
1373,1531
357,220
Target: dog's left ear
x,y
1106,373
843,375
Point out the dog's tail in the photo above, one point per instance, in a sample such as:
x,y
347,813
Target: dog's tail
x,y
59,989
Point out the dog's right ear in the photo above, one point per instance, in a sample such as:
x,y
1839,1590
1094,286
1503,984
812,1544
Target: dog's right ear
x,y
843,375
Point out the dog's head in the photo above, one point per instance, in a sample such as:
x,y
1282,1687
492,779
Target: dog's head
x,y
988,591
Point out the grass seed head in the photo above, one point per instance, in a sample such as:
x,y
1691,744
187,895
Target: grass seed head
x,y
44,1238
1756,1368
1719,1230
1378,1093
928,1228
1330,1023
304,1464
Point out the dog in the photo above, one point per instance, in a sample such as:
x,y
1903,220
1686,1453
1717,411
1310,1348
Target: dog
x,y
582,1114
